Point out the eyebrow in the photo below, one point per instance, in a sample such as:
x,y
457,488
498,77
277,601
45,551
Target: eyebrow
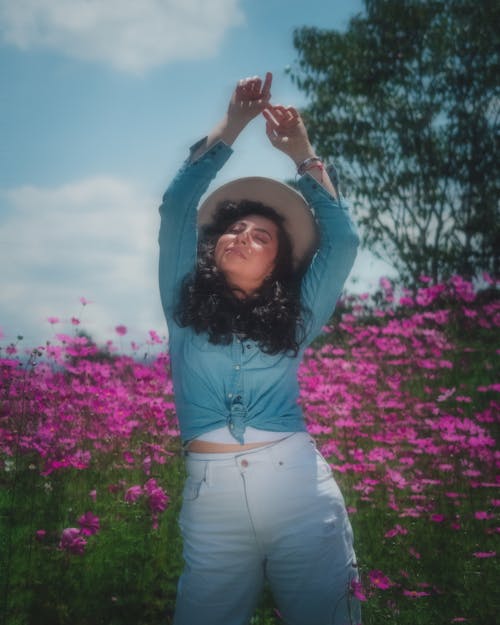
x,y
242,221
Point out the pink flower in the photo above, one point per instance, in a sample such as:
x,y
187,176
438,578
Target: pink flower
x,y
415,594
379,580
484,554
482,515
357,590
121,330
146,465
133,494
414,553
53,320
446,394
93,494
437,518
40,535
75,321
128,457
397,529
158,499
89,524
72,541
154,337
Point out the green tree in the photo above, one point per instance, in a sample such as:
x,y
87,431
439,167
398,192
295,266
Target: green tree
x,y
406,102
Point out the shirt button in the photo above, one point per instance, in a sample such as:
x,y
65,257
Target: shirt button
x,y
229,395
237,367
244,463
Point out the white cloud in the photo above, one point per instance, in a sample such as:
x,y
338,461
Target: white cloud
x,y
129,35
95,238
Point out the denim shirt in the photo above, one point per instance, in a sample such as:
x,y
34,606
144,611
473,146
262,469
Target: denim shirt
x,y
237,385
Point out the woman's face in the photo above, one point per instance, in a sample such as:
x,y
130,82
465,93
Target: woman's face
x,y
247,251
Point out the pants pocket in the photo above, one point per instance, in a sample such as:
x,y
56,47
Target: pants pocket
x,y
191,489
196,476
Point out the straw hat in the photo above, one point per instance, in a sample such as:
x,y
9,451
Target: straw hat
x,y
299,221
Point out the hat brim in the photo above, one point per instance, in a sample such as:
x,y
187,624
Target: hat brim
x,y
299,222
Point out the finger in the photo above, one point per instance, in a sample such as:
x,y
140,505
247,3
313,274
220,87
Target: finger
x,y
266,88
270,132
287,115
268,114
256,85
279,112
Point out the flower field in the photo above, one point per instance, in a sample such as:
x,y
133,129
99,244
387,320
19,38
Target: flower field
x,y
402,394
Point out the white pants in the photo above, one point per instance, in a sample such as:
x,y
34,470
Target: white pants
x,y
272,513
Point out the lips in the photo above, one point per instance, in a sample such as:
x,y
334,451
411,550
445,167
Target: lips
x,y
236,250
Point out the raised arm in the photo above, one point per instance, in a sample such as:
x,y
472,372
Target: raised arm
x,y
328,270
177,237
249,99
287,132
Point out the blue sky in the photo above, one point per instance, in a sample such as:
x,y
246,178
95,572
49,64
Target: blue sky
x,y
99,101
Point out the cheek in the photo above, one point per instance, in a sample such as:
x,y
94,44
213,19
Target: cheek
x,y
272,254
219,248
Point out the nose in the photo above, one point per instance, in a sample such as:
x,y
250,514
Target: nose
x,y
242,237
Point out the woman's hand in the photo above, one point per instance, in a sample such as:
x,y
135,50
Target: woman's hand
x,y
249,99
286,131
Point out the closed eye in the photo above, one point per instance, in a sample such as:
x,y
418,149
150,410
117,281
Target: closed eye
x,y
263,238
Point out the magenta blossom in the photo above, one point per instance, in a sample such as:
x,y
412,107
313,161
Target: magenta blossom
x,y
89,524
379,580
72,541
121,330
484,554
154,337
357,590
397,529
415,594
482,515
128,457
158,499
133,494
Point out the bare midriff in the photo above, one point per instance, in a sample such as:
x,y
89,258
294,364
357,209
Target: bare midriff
x,y
207,447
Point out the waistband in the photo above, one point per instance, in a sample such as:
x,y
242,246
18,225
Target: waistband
x,y
288,444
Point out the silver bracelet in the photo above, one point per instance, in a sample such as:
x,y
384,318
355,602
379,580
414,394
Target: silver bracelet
x,y
302,167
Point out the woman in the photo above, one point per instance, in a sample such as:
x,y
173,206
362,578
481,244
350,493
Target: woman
x,y
260,502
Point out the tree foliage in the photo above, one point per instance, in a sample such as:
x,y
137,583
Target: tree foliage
x,y
407,101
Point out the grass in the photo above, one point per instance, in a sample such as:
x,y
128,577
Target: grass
x,y
411,439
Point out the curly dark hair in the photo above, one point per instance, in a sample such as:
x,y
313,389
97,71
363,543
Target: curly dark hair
x,y
273,316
